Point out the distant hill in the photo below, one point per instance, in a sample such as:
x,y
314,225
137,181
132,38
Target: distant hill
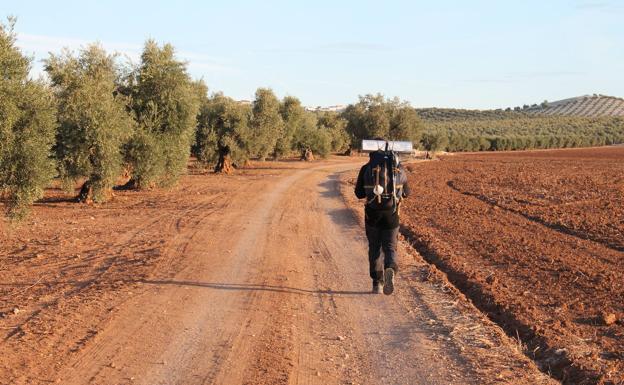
x,y
455,114
576,122
592,106
589,106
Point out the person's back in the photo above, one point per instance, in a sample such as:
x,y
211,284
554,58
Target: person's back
x,y
383,183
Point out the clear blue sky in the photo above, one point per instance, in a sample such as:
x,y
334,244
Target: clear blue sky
x,y
471,54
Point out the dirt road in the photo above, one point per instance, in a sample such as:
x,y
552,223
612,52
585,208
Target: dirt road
x,y
260,280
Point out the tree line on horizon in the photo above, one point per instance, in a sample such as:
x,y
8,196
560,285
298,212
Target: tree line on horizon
x,y
96,121
457,130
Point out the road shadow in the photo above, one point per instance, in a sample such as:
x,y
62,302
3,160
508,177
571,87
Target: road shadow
x,y
254,287
343,217
330,187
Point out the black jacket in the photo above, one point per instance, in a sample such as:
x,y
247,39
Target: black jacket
x,y
384,219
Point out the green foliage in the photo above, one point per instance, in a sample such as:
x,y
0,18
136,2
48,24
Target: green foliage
x,y
266,123
405,124
223,122
457,114
321,132
92,118
434,141
310,136
499,130
293,115
375,116
165,104
27,127
250,131
333,123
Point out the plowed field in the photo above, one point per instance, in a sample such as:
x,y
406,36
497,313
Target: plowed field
x,y
536,240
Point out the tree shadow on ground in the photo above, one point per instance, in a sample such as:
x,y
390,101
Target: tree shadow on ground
x,y
56,199
210,285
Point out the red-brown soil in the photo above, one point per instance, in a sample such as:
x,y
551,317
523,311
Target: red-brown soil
x,y
536,240
259,278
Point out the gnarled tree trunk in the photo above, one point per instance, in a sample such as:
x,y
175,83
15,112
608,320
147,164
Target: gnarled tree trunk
x,y
224,164
307,155
131,184
86,193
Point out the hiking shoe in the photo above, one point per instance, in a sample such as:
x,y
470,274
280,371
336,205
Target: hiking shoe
x,y
377,288
388,287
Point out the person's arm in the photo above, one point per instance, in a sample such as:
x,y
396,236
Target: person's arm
x,y
406,189
360,192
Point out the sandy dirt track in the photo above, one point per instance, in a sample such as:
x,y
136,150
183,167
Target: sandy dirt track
x,y
257,278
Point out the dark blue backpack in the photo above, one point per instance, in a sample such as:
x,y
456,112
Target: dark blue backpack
x,y
380,181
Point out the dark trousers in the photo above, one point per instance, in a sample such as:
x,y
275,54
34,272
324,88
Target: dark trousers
x,y
381,239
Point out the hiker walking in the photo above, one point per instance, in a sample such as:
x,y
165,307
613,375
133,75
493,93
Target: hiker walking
x,y
383,183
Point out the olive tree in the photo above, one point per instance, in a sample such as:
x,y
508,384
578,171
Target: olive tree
x,y
92,118
266,123
434,141
165,104
366,118
292,113
27,127
375,116
223,133
333,123
405,124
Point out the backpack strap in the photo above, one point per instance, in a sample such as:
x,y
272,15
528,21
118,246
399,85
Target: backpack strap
x,y
377,170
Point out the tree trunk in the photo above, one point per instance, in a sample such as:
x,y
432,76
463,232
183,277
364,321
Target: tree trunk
x,y
307,155
349,151
224,165
86,193
129,185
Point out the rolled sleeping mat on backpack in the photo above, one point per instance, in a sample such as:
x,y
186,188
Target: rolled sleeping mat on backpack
x,y
400,147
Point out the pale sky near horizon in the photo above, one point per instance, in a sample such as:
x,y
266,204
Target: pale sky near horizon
x,y
465,54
